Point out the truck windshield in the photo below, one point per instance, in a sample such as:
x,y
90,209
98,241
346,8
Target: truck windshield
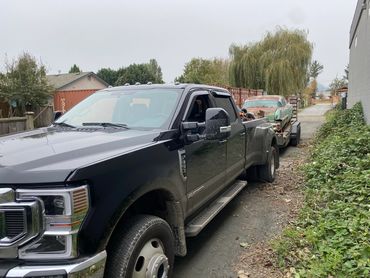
x,y
260,103
141,108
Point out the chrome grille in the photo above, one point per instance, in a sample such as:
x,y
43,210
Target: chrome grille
x,y
15,223
20,222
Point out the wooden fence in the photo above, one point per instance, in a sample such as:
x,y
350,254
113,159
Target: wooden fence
x,y
241,94
44,116
16,124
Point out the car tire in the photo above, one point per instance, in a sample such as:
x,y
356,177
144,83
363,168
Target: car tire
x,y
142,247
267,172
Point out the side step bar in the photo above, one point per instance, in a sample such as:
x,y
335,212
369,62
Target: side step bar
x,y
197,224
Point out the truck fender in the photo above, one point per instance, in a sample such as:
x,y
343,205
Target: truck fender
x,y
174,217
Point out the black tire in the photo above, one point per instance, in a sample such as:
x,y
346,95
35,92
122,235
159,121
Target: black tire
x,y
267,172
143,244
295,141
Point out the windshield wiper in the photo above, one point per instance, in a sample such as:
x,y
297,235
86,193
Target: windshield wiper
x,y
106,124
63,124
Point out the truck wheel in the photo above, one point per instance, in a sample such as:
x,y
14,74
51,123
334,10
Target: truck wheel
x,y
267,172
295,141
143,247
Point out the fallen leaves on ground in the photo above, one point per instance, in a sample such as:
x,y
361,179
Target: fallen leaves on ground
x,y
258,259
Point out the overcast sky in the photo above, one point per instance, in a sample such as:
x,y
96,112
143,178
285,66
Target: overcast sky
x,y
114,33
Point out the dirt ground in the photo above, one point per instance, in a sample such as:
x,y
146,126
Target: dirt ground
x,y
236,242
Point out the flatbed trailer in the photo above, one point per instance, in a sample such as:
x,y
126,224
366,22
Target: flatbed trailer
x,y
290,133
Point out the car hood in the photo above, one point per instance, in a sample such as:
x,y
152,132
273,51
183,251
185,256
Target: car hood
x,y
52,154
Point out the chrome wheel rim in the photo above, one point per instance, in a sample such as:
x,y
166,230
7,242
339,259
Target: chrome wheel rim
x,y
151,261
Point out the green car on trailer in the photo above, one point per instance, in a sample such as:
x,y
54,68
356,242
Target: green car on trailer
x,y
277,110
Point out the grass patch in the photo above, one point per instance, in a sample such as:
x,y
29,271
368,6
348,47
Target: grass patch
x,y
332,235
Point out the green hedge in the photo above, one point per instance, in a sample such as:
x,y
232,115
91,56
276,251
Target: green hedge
x,y
332,234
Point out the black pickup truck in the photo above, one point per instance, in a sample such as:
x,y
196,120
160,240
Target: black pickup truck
x,y
115,185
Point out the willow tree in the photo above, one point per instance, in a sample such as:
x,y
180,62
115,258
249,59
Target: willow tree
x,y
279,64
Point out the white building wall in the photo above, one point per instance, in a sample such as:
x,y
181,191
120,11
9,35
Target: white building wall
x,y
359,65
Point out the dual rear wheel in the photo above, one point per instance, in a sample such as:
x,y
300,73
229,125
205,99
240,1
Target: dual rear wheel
x,y
141,248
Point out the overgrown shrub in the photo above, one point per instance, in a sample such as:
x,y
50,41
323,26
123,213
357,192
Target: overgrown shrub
x,y
332,234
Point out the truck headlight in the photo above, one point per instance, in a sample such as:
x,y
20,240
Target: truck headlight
x,y
64,211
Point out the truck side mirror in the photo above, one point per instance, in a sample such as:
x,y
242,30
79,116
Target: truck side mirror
x,y
217,124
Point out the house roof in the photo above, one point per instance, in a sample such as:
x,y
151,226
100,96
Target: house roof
x,y
58,81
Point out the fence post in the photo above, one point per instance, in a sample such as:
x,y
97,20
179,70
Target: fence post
x,y
29,120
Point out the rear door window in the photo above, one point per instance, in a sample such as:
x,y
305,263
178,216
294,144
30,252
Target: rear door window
x,y
225,103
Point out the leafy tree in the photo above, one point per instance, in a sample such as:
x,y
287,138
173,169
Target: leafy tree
x,y
75,69
278,64
205,71
337,84
155,71
108,75
143,73
315,69
24,85
135,73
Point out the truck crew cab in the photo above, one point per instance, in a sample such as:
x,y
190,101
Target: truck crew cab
x,y
115,185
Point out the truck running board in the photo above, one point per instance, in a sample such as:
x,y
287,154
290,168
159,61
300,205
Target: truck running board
x,y
197,224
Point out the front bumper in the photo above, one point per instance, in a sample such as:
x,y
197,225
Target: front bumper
x,y
91,267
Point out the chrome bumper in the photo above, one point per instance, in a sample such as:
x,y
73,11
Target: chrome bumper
x,y
91,267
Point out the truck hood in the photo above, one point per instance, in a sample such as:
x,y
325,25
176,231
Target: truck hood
x,y
50,155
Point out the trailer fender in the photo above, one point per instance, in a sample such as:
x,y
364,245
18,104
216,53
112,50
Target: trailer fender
x,y
296,128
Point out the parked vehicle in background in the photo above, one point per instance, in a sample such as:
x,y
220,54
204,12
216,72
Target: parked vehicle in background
x,y
117,183
274,108
282,114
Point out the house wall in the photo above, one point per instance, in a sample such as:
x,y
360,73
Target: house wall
x,y
359,65
85,83
65,100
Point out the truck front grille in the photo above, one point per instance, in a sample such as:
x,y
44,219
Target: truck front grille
x,y
15,223
20,222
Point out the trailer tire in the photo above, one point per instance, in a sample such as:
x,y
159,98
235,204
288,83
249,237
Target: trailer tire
x,y
143,246
295,141
267,172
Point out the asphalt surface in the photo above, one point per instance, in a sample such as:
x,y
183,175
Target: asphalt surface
x,y
246,219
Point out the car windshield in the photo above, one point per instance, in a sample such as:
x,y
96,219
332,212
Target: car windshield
x,y
141,108
260,103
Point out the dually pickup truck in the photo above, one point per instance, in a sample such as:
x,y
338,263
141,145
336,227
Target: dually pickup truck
x,y
115,186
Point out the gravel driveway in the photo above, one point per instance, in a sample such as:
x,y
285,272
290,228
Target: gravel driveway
x,y
254,216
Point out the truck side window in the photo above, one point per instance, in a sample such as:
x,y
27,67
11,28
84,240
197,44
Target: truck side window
x,y
225,103
198,109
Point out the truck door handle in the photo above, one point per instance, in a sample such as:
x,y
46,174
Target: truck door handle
x,y
222,142
242,134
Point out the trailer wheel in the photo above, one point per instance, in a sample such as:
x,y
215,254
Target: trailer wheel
x,y
142,247
267,172
295,141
